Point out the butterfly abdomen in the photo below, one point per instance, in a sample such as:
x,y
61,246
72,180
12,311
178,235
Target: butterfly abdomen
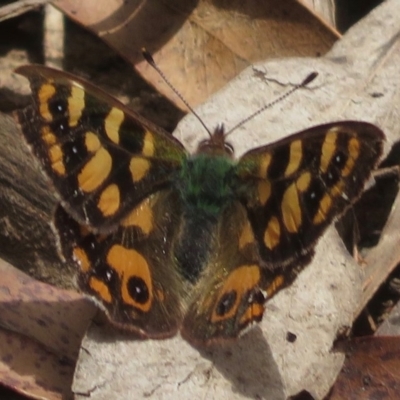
x,y
206,186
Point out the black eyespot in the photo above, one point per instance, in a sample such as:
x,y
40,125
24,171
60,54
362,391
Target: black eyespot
x,y
74,153
332,177
226,303
104,273
314,194
58,107
138,289
339,159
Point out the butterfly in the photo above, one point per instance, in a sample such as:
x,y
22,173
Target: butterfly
x,y
166,241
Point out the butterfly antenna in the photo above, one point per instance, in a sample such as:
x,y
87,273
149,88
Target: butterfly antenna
x,y
306,81
148,57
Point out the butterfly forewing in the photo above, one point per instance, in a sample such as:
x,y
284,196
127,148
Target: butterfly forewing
x,y
294,188
102,158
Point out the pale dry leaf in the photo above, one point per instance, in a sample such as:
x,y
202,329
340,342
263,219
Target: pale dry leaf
x,y
325,9
19,7
201,45
29,368
326,295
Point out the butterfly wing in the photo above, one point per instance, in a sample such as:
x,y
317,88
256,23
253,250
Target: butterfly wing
x,y
294,188
289,192
228,297
130,273
102,157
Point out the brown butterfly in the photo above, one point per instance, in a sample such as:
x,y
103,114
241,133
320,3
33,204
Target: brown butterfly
x,y
166,241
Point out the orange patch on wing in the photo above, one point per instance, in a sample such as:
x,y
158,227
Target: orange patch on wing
x,y
354,152
239,282
92,142
56,159
328,149
109,200
141,217
48,136
76,104
95,171
148,144
45,93
129,264
82,258
291,211
113,123
272,233
247,236
253,313
101,289
337,190
264,165
303,182
296,155
264,191
324,206
275,285
139,167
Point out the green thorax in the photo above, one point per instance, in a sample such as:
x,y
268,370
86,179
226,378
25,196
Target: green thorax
x,y
207,183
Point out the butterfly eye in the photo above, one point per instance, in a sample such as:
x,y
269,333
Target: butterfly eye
x,y
229,148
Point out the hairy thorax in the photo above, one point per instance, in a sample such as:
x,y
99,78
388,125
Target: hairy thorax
x,y
206,186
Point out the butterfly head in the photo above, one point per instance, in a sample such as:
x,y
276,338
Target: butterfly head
x,y
216,144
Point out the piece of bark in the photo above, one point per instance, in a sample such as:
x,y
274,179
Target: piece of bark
x,y
27,202
371,370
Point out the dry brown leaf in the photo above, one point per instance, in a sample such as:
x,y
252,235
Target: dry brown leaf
x,y
41,332
201,45
371,371
55,317
29,368
326,295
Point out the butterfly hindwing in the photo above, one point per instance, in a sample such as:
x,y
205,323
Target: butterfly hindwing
x,y
295,187
102,157
228,297
131,272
